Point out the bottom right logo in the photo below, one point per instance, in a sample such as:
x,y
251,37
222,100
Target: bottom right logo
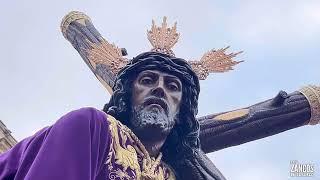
x,y
301,169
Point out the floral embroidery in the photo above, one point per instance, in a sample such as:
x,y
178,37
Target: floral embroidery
x,y
126,160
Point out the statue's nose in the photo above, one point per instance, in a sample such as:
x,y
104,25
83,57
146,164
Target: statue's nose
x,y
158,91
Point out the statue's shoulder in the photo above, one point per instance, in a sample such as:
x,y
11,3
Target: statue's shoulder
x,y
84,116
93,113
116,123
89,112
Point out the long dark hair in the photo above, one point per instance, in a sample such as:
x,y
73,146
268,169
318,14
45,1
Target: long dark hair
x,y
182,147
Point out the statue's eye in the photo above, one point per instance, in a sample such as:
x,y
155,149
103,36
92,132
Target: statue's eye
x,y
173,86
146,81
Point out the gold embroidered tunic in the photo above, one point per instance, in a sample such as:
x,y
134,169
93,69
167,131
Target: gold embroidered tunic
x,y
128,159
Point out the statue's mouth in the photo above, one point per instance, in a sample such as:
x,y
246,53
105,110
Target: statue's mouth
x,y
156,101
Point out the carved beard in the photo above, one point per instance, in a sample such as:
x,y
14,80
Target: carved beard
x,y
150,119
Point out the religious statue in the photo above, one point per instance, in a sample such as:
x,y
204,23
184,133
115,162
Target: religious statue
x,y
149,129
217,131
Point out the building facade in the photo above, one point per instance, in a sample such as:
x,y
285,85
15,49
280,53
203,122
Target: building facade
x,y
7,141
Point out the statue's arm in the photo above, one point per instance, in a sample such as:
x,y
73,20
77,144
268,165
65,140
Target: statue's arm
x,y
284,112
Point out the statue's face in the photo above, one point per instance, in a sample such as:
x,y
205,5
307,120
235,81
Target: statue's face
x,y
155,101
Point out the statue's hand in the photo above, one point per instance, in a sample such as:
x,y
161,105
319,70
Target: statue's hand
x,y
312,94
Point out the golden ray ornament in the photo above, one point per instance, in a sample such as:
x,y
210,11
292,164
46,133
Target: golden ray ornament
x,y
163,38
106,59
107,54
214,61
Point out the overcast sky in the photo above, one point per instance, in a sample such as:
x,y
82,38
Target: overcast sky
x,y
42,77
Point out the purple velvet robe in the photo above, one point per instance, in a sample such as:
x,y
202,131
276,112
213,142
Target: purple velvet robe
x,y
85,144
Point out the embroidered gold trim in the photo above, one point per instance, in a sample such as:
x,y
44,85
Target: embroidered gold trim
x,y
127,156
